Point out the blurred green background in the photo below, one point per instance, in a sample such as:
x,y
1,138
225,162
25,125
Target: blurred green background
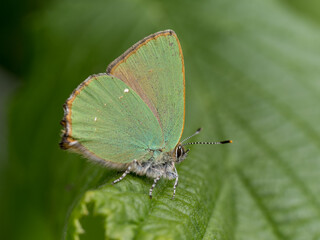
x,y
252,75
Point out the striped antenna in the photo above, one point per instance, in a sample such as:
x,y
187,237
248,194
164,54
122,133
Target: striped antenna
x,y
197,132
222,142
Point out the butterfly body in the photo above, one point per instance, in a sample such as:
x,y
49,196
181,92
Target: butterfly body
x,y
161,164
131,118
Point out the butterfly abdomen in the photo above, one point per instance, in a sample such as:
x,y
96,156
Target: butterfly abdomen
x,y
160,166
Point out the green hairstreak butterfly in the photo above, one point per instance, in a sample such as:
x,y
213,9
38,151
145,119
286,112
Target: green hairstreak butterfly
x,y
131,118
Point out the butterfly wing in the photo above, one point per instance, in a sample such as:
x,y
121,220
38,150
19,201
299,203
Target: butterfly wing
x,y
107,121
154,69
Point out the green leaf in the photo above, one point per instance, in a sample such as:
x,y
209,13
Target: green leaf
x,y
252,75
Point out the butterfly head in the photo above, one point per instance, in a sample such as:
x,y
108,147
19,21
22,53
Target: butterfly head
x,y
180,153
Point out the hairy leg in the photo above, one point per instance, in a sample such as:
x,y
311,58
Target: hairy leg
x,y
123,175
175,183
153,185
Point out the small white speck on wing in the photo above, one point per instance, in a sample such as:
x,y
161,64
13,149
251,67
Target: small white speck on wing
x,y
95,119
126,90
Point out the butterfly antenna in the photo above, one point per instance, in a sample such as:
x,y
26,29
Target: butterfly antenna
x,y
222,142
197,132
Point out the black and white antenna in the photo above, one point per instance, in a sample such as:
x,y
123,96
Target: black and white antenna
x,y
221,142
197,132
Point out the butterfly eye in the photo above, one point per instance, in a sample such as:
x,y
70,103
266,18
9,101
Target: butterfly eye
x,y
179,152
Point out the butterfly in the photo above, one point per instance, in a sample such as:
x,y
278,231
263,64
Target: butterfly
x,y
131,118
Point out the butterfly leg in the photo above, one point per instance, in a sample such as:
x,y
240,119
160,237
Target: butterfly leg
x,y
123,175
175,184
153,185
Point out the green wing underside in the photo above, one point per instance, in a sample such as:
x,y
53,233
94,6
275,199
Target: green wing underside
x,y
111,120
155,71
